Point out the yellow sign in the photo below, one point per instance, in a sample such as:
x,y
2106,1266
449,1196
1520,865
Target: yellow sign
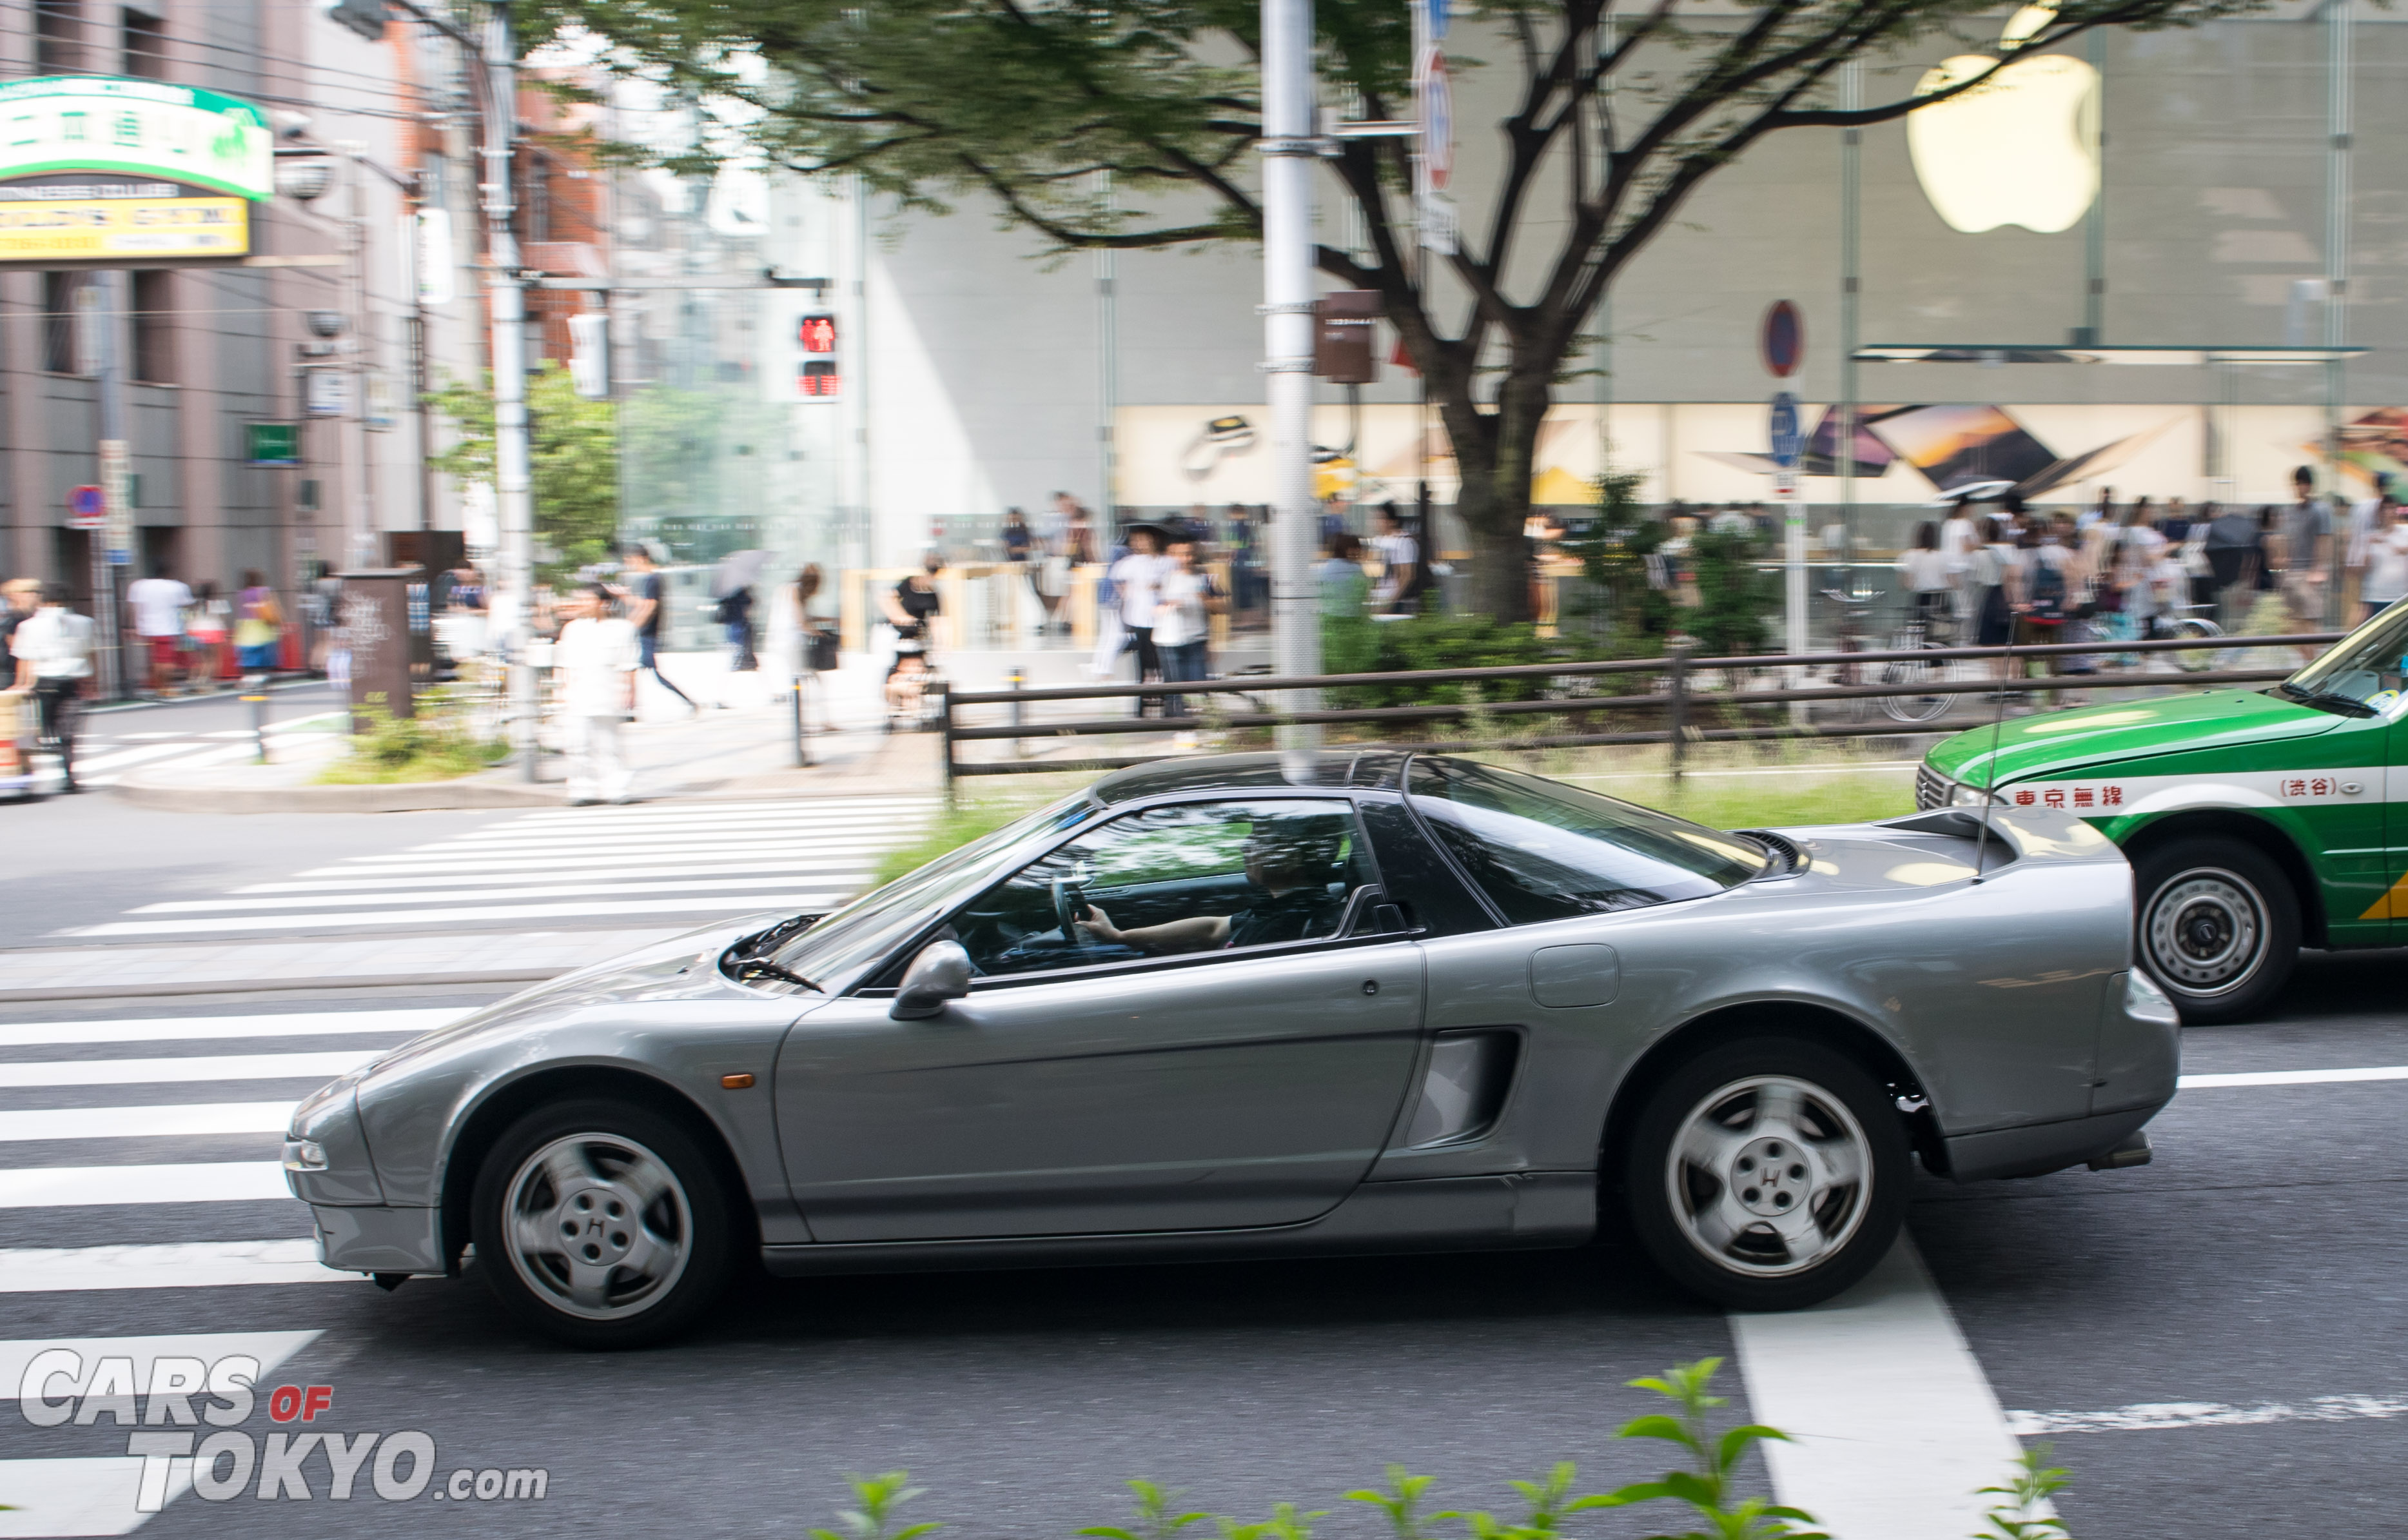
x,y
88,229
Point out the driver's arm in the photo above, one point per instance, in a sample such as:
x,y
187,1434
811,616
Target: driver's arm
x,y
1192,934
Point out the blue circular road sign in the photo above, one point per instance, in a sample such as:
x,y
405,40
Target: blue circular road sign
x,y
1786,444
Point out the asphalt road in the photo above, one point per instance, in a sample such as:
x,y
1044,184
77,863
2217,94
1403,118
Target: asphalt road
x,y
2213,1343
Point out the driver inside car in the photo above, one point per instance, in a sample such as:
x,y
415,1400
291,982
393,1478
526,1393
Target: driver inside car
x,y
1289,861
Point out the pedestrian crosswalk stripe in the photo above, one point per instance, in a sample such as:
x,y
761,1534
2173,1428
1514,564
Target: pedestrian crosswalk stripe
x,y
585,845
735,903
700,811
585,854
145,1072
211,1182
26,1034
271,1349
842,866
187,1264
325,900
176,1118
82,1494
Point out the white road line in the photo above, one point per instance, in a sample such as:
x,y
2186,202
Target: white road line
x,y
2291,1077
735,905
585,854
128,758
176,1118
25,1034
825,806
2147,1416
586,849
847,866
145,1071
87,1494
271,1349
1894,1424
214,1182
737,887
191,1264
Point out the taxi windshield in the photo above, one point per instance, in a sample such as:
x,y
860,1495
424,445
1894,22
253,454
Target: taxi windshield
x,y
2368,665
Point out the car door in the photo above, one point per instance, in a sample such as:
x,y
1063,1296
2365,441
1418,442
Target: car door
x,y
1181,1078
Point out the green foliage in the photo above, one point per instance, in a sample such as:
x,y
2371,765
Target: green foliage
x,y
573,461
1613,554
1705,1485
1401,1503
875,1500
1285,1523
1450,641
435,744
957,827
1736,599
2017,1515
1153,1521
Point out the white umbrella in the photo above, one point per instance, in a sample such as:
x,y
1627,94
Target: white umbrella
x,y
736,570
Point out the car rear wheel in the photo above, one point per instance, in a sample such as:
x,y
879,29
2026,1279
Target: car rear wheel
x,y
601,1223
1767,1173
2219,928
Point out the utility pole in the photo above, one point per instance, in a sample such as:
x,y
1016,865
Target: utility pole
x,y
112,547
1290,148
512,486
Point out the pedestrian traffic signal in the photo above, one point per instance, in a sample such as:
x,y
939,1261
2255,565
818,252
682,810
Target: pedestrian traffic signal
x,y
817,375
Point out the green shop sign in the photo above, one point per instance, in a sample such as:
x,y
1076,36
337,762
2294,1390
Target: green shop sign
x,y
141,128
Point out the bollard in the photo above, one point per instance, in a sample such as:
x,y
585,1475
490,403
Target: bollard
x,y
1019,680
802,748
1677,705
258,704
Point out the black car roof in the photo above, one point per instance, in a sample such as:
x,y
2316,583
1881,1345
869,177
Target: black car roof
x,y
1365,769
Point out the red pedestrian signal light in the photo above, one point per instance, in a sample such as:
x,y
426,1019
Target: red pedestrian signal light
x,y
817,375
819,380
817,333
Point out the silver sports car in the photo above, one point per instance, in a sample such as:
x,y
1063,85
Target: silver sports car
x,y
1261,1005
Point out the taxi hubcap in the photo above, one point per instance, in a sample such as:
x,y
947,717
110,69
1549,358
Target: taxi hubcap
x,y
2206,932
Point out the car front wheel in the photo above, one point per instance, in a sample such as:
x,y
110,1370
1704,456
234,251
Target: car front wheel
x,y
1767,1173
601,1223
2219,926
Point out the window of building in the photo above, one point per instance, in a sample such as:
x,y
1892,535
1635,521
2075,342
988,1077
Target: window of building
x,y
59,320
146,46
154,329
58,36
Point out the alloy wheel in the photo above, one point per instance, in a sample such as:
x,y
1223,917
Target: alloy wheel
x,y
1768,1175
598,1225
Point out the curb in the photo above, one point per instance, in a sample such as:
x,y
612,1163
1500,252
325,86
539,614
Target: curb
x,y
402,797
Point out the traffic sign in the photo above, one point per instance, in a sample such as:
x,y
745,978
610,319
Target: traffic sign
x,y
87,509
1786,444
1784,342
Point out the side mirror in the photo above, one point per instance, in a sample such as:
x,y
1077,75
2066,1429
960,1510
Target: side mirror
x,y
941,972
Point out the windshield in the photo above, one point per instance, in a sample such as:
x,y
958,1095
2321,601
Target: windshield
x,y
1541,850
2368,665
873,925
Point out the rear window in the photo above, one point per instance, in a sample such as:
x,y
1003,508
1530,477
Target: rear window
x,y
1541,850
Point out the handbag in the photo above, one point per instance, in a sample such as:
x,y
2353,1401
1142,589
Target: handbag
x,y
819,650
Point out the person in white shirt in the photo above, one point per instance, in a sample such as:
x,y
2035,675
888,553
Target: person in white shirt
x,y
54,651
1923,570
597,655
2385,581
159,603
1137,582
1183,624
1401,559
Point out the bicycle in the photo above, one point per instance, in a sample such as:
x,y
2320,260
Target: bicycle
x,y
1913,702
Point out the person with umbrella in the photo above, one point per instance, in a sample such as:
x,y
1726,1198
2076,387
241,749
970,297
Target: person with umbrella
x,y
731,584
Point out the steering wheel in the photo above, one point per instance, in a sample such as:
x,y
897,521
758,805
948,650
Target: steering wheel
x,y
1068,897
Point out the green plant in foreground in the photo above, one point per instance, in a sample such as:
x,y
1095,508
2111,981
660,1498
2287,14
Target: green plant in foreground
x,y
2020,1514
1706,1485
1402,1504
876,1498
1285,1523
1155,1521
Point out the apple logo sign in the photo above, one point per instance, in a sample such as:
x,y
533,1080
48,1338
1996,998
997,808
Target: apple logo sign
x,y
2022,148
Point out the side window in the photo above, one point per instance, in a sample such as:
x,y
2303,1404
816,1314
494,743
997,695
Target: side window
x,y
1195,877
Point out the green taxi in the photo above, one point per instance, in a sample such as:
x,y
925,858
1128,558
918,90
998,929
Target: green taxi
x,y
2256,820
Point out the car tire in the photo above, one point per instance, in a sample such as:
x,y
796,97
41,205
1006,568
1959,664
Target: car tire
x,y
601,1223
1767,1173
2218,926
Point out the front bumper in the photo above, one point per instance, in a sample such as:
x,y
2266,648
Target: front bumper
x,y
362,1239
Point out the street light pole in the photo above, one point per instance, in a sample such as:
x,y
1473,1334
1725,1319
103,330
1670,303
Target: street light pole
x,y
512,483
1290,149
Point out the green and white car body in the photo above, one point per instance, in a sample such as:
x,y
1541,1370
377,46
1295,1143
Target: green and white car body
x,y
2256,821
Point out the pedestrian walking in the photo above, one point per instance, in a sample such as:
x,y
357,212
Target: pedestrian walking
x,y
2307,553
597,656
52,647
2236,556
1924,572
1401,570
647,593
1183,625
1993,573
19,598
911,607
2384,581
1137,589
258,627
208,623
159,602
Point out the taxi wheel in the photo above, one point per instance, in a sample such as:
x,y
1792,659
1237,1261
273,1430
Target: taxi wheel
x,y
2219,928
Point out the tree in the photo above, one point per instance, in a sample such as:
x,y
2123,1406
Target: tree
x,y
1616,121
574,455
